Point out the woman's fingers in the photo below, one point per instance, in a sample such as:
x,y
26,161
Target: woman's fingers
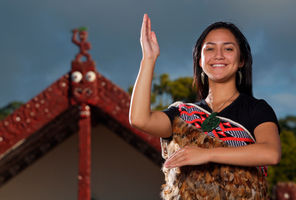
x,y
149,27
146,32
153,35
144,27
177,161
175,156
188,155
150,48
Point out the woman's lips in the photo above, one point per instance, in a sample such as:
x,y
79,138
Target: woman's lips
x,y
218,65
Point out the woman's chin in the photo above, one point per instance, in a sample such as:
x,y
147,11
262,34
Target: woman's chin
x,y
221,79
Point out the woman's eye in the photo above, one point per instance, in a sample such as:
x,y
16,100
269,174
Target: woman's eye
x,y
209,49
229,49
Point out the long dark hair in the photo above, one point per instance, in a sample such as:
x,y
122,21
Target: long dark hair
x,y
245,55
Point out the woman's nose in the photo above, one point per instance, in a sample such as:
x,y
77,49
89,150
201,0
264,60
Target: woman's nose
x,y
219,54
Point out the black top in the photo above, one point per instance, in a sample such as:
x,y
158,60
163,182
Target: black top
x,y
245,110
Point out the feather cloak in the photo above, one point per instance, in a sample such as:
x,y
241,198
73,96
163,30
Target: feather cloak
x,y
207,181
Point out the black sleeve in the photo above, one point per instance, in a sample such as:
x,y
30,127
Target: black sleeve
x,y
263,112
172,112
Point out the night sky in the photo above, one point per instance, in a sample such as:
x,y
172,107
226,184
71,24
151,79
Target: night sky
x,y
36,46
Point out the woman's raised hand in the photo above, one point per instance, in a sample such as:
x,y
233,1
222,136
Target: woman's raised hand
x,y
149,44
140,116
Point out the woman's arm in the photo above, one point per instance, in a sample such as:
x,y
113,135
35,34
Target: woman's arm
x,y
140,115
266,151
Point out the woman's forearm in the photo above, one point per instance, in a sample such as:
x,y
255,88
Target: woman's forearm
x,y
249,155
140,100
266,151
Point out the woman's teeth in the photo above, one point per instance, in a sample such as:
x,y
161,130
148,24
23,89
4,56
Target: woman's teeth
x,y
218,65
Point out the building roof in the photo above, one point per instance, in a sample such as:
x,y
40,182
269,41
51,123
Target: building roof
x,y
49,118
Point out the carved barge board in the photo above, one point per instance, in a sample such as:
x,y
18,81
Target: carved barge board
x,y
45,129
64,108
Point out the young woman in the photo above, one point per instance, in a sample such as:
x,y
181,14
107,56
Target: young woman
x,y
223,70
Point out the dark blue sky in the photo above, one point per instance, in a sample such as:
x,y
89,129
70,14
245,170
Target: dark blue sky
x,y
36,46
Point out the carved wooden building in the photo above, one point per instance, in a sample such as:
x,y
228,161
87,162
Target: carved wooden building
x,y
40,158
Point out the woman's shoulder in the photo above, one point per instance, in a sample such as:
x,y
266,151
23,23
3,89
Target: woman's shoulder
x,y
254,103
259,109
249,99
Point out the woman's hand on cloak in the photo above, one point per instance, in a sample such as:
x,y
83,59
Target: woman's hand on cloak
x,y
189,155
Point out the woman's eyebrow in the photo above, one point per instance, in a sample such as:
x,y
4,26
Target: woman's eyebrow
x,y
229,43
213,43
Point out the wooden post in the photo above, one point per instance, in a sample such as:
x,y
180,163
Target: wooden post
x,y
84,191
84,93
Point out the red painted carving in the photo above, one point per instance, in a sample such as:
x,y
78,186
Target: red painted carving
x,y
87,87
83,74
115,102
285,190
84,154
33,115
83,45
84,92
83,82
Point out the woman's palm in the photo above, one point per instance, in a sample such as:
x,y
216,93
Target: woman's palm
x,y
150,48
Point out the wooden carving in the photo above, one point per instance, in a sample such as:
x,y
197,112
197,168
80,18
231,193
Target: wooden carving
x,y
84,92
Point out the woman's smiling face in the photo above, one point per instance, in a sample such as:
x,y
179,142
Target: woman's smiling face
x,y
220,56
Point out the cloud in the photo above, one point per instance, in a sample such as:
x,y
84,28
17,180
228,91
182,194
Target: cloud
x,y
277,75
36,39
285,99
284,104
257,42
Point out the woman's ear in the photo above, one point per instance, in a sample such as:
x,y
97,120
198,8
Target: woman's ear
x,y
241,64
